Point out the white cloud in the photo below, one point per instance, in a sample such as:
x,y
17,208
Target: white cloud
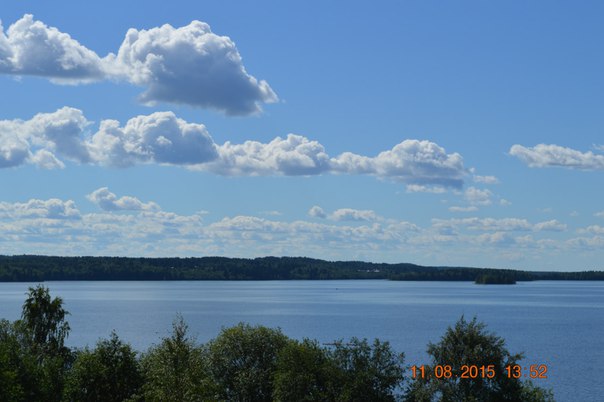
x,y
463,209
187,65
417,188
504,202
484,224
160,137
108,201
587,243
477,196
317,212
34,208
46,160
551,226
32,48
349,214
412,162
191,65
497,238
163,138
291,156
126,227
593,229
544,155
599,214
485,179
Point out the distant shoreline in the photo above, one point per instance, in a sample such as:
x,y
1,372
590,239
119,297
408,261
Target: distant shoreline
x,y
35,268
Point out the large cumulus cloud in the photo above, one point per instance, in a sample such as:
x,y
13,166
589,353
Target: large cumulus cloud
x,y
187,65
191,65
32,48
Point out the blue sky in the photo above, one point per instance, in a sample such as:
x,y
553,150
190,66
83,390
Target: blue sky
x,y
439,133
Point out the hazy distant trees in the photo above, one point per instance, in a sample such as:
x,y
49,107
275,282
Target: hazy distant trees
x,y
243,363
30,268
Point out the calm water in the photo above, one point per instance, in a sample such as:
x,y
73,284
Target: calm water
x,y
560,324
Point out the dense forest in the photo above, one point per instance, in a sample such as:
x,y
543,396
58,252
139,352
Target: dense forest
x,y
249,363
34,268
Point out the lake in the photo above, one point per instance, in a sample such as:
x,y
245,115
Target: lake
x,y
557,323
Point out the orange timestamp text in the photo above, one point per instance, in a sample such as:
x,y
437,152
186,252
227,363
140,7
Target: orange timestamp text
x,y
470,371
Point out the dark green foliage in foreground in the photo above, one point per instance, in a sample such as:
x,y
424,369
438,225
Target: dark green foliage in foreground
x,y
29,268
33,356
243,363
176,369
469,344
109,373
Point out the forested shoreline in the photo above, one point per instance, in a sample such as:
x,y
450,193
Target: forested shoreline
x,y
35,268
250,363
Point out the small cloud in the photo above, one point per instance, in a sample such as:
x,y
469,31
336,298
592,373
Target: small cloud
x,y
317,212
349,214
485,179
477,196
271,213
503,202
550,226
593,229
109,202
416,188
599,214
551,155
574,214
463,209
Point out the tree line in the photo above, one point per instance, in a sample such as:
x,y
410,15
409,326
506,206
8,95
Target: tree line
x,y
243,363
32,268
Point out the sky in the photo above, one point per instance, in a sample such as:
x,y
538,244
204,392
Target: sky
x,y
464,133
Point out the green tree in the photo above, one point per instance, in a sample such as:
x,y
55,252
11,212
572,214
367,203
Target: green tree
x,y
108,373
175,369
242,362
352,371
469,344
44,320
39,338
13,364
305,372
369,372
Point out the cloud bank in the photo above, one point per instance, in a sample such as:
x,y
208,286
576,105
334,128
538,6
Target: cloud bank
x,y
187,65
49,139
127,226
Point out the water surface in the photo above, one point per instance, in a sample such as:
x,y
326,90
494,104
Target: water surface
x,y
557,323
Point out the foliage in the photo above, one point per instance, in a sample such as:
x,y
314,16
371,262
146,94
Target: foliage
x,y
370,372
108,373
304,372
175,370
43,319
40,336
352,371
242,360
469,344
12,364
